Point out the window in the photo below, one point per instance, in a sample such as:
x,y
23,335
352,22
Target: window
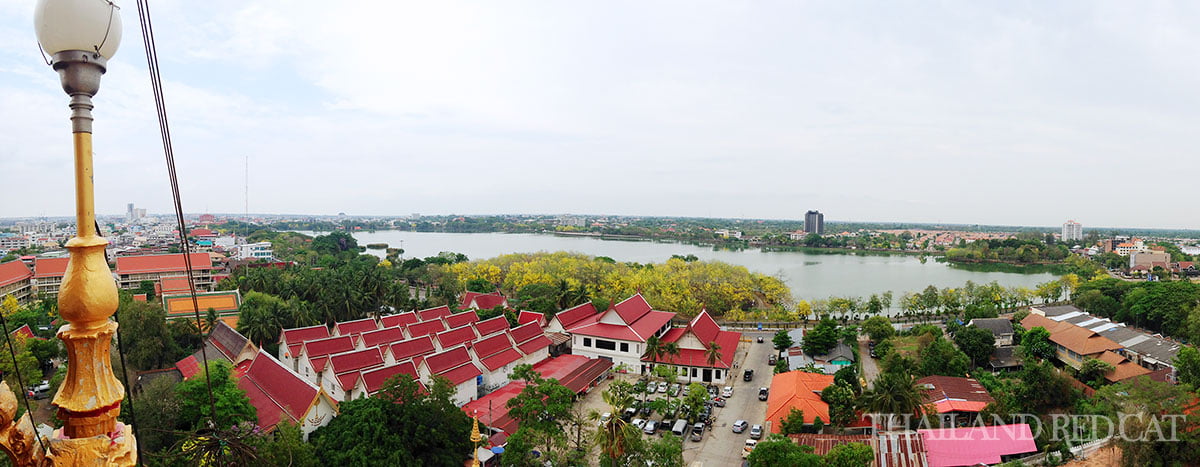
x,y
717,374
624,347
606,345
587,342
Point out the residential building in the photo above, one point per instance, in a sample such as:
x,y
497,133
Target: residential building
x,y
533,344
977,445
840,355
254,251
619,333
497,357
1131,246
314,355
132,270
13,242
1151,351
340,375
457,366
279,394
694,341
1072,231
1001,328
526,316
354,328
17,280
223,343
414,349
382,337
291,340
1073,344
1149,259
482,301
371,381
796,390
954,395
491,326
814,222
1123,368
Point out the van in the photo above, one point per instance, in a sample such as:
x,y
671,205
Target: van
x,y
680,427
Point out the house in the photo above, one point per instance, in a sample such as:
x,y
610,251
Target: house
x,y
1151,351
425,328
290,341
382,337
577,373
1123,368
840,355
457,366
1004,359
534,345
694,342
892,448
356,327
482,301
314,355
796,390
491,326
454,337
1073,344
1002,329
132,270
17,280
48,275
526,316
223,343
341,374
414,349
371,381
279,394
573,317
461,319
619,333
497,357
399,320
954,395
429,314
982,445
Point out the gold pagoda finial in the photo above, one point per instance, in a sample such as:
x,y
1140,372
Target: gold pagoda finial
x,y
475,439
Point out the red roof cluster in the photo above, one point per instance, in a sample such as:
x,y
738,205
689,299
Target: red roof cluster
x,y
401,320
453,364
161,263
577,316
383,336
350,328
294,338
426,328
458,336
373,379
276,392
14,271
461,319
491,326
482,301
529,338
526,316
706,331
434,313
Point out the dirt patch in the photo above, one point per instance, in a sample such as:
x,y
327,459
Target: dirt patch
x,y
1104,457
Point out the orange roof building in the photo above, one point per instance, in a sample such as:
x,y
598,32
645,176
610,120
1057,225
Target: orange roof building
x,y
1123,368
48,275
225,303
16,280
132,270
797,390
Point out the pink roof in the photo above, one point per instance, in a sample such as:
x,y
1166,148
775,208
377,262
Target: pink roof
x,y
355,327
297,336
161,263
453,364
577,315
426,328
633,308
14,271
527,316
400,320
356,360
374,379
948,447
461,319
491,326
381,337
412,348
433,313
453,337
276,392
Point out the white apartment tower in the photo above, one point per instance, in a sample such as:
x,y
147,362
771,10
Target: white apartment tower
x,y
1072,230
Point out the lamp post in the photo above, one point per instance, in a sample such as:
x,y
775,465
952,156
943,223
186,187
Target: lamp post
x,y
80,36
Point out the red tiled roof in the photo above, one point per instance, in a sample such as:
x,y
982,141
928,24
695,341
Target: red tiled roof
x,y
188,366
633,308
297,336
276,392
529,338
50,267
581,377
576,315
355,327
355,360
381,337
727,340
173,285
412,348
25,332
456,336
491,345
483,301
434,313
161,263
647,324
491,326
399,320
373,379
14,271
799,390
955,394
527,316
426,328
704,327
447,359
497,361
201,233
461,319
323,347
1123,369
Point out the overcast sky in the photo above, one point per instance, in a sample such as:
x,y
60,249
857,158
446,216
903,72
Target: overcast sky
x,y
1016,113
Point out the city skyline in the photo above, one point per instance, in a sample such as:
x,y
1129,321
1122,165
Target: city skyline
x,y
959,114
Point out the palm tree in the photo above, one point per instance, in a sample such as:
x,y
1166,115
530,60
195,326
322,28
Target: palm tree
x,y
894,394
654,350
671,349
712,354
615,437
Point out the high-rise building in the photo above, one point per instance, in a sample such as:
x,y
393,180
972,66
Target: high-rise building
x,y
814,222
1071,231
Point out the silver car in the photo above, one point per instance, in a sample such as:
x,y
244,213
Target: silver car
x,y
756,432
740,426
650,427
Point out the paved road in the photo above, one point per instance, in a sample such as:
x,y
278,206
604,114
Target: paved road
x,y
721,446
870,366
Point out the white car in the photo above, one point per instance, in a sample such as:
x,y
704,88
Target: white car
x,y
748,448
740,426
662,387
639,423
728,392
651,387
606,416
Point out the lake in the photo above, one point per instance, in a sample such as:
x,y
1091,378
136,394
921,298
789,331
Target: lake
x,y
810,274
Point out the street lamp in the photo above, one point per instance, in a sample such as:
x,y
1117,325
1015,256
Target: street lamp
x,y
80,36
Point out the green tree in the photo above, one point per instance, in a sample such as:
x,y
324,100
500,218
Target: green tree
x,y
9,305
1042,388
402,425
850,455
542,409
1092,372
654,351
1035,343
793,423
232,405
146,287
822,338
1187,366
541,298
618,441
285,446
977,343
848,376
777,450
782,341
666,451
893,395
940,357
155,432
1145,442
841,402
480,285
879,328
712,353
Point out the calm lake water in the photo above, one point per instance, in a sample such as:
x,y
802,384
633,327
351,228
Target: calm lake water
x,y
810,275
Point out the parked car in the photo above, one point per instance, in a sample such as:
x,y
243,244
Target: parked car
x,y
772,359
650,427
748,448
762,394
748,375
651,387
712,391
740,426
662,387
639,423
719,402
756,432
728,392
605,417
760,339
646,410
675,388
628,414
697,432
40,391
